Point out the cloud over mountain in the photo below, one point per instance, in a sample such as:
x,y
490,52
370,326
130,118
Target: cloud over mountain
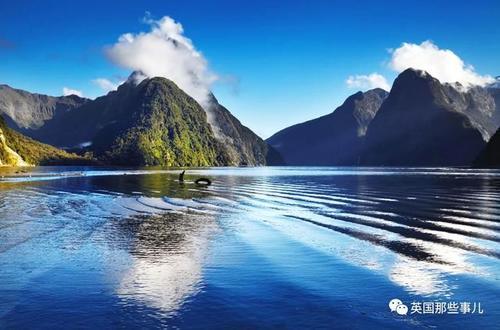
x,y
373,80
442,64
105,84
166,52
68,91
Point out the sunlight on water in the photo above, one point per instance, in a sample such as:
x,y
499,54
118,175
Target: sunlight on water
x,y
275,247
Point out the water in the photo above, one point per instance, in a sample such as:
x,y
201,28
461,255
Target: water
x,y
260,248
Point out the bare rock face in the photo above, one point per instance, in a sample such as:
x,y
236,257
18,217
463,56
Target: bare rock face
x,y
28,111
425,123
481,105
333,139
243,146
9,157
422,122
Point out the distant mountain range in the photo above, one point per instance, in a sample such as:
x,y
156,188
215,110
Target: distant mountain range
x,y
19,150
334,139
26,111
421,122
150,123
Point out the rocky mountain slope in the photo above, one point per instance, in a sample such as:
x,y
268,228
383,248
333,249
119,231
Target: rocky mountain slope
x,y
333,139
19,150
243,146
29,111
152,123
420,123
480,104
165,125
425,123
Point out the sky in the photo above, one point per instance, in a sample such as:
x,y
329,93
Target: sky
x,y
271,63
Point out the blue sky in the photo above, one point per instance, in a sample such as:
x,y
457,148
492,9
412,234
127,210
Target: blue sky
x,y
281,62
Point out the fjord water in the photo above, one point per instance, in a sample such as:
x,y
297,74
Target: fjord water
x,y
260,248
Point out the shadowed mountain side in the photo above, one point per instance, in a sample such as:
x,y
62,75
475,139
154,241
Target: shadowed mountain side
x,y
26,112
418,125
19,150
333,139
243,146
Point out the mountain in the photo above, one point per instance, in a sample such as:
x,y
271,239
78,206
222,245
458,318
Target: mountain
x,y
420,122
28,111
333,139
425,123
151,123
243,146
19,150
480,104
145,122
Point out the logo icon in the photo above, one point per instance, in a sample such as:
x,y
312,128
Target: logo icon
x,y
396,305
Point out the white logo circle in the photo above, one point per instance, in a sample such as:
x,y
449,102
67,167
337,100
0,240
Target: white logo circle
x,y
402,309
394,303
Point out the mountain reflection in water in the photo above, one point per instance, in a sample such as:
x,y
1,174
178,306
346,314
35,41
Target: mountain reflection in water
x,y
261,247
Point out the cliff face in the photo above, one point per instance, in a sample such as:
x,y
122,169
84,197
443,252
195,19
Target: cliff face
x,y
480,104
334,139
419,124
243,146
28,111
9,157
490,155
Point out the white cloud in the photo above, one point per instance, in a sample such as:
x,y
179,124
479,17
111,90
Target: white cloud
x,y
442,64
373,80
164,51
68,91
105,84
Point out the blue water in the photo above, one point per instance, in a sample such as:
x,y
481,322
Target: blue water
x,y
286,248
